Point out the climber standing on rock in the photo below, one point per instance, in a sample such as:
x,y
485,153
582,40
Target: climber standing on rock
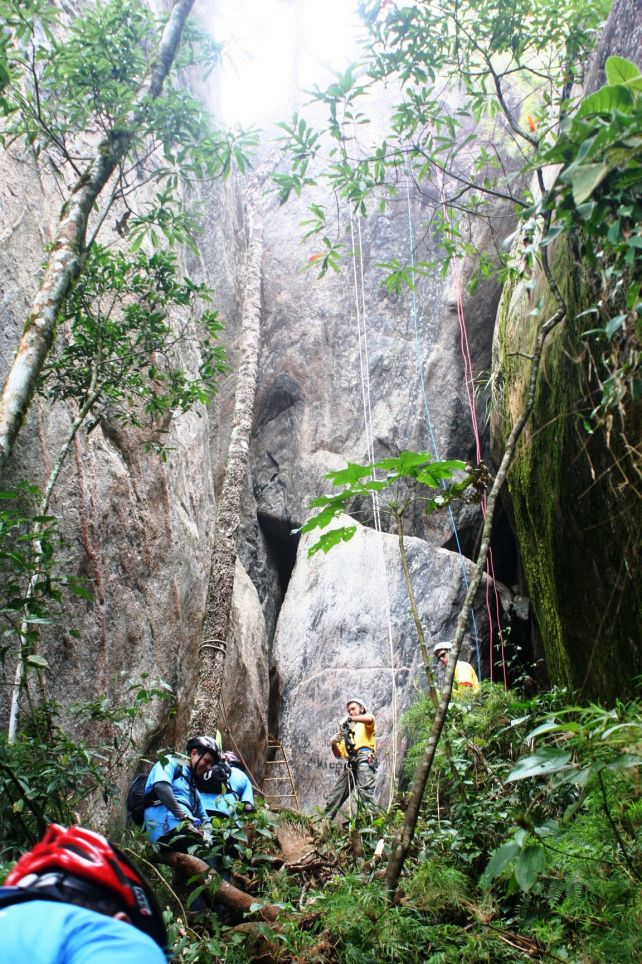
x,y
355,744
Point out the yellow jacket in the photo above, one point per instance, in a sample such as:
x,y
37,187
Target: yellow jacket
x,y
364,736
466,681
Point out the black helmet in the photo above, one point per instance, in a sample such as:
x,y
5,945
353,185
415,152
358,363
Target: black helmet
x,y
204,744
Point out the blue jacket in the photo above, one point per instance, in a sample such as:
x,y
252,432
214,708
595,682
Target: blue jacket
x,y
158,819
49,932
239,788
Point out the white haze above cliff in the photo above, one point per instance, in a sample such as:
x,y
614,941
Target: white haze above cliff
x,y
273,48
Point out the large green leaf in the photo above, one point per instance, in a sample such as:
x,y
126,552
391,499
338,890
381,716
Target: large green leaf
x,y
499,861
619,70
585,178
546,761
531,863
605,100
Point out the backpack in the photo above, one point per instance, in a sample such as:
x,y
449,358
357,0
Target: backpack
x,y
216,778
138,800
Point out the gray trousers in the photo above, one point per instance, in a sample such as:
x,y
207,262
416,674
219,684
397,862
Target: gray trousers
x,y
357,776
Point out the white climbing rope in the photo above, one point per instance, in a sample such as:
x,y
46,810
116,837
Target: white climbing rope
x,y
364,369
414,313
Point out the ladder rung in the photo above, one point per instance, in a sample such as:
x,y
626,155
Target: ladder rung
x,y
275,746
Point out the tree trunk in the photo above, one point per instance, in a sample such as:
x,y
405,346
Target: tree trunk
x,y
223,562
66,258
188,866
402,844
433,691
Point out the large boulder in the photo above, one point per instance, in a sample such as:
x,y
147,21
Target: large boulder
x,y
573,487
333,641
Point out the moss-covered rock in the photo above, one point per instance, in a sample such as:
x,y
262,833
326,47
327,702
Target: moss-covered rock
x,y
575,505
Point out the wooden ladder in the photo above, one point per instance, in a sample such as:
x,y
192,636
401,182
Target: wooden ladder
x,y
278,789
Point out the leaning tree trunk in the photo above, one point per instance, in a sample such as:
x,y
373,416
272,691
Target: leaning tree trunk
x,y
402,844
223,562
67,251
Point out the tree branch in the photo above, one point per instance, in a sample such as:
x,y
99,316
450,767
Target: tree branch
x,y
65,261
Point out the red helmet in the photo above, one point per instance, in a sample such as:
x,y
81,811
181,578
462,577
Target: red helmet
x,y
90,864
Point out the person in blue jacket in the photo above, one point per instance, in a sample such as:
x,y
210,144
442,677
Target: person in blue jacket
x,y
175,819
222,790
76,899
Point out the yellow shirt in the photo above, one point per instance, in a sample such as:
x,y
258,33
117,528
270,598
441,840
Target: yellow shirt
x,y
466,681
364,736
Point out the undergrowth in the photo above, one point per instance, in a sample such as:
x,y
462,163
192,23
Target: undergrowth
x,y
533,853
533,849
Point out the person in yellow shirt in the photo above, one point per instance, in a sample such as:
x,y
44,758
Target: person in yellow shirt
x,y
465,681
355,743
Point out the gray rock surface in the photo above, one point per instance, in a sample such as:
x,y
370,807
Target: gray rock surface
x,y
246,681
332,642
310,415
137,529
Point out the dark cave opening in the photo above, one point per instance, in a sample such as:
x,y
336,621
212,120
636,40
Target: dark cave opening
x,y
515,650
281,545
518,656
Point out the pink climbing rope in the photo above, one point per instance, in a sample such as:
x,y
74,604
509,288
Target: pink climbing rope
x,y
470,395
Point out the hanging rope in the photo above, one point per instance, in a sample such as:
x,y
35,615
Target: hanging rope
x,y
364,370
469,383
431,431
470,393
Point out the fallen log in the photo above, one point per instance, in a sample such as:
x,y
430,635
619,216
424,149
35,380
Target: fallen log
x,y
187,866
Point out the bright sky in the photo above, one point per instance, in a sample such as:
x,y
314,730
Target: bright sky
x,y
263,62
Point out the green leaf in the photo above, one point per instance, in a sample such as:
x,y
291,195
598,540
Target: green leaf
x,y
613,325
330,539
78,589
606,100
585,178
624,762
531,863
550,727
500,859
546,761
619,70
38,661
351,474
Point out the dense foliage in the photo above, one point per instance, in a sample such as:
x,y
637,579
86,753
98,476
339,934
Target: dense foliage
x,y
540,858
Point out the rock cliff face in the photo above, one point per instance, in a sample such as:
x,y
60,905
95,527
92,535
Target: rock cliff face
x,y
331,634
334,641
573,495
137,529
140,530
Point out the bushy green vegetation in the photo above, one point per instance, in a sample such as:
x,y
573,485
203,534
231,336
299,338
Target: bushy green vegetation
x,y
546,865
